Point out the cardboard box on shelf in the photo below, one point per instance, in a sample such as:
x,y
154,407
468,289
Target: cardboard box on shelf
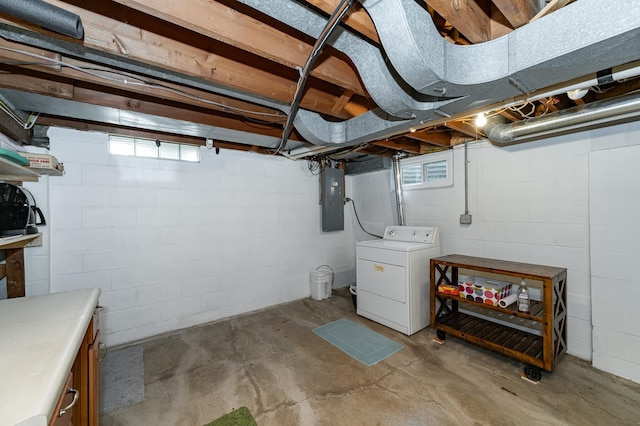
x,y
44,164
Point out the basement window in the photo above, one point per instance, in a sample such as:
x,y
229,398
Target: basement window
x,y
427,171
151,148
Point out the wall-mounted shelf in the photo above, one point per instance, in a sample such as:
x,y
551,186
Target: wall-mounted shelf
x,y
10,171
21,241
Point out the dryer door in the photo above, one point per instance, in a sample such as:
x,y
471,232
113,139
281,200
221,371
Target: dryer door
x,y
383,279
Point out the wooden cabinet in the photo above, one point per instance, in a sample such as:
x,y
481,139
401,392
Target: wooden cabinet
x,y
86,369
541,348
62,414
94,381
52,335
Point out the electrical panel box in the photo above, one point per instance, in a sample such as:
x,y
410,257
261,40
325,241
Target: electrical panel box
x,y
332,196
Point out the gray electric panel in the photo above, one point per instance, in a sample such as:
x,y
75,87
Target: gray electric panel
x,y
332,187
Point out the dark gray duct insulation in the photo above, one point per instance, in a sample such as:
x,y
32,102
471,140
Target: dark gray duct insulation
x,y
596,114
45,15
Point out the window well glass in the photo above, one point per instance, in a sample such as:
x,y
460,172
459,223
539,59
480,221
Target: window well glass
x,y
411,174
435,171
152,148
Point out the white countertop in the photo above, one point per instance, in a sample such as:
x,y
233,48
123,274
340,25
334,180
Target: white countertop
x,y
39,339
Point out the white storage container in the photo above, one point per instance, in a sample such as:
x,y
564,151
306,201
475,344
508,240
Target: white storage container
x,y
321,283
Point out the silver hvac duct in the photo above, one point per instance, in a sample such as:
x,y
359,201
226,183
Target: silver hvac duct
x,y
596,114
368,59
45,15
305,72
524,61
399,194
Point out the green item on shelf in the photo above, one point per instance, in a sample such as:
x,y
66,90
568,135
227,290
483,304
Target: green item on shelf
x,y
14,157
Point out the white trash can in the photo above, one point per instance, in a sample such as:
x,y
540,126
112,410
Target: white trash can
x,y
321,283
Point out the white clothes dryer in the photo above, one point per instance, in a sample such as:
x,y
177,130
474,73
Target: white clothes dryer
x,y
392,277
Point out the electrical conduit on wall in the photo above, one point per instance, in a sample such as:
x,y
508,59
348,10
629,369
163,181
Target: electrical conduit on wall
x,y
398,188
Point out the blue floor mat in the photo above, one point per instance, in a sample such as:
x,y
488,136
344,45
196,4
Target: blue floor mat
x,y
358,341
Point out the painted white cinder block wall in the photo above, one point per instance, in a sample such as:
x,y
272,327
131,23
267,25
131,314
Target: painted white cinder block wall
x,y
173,244
538,202
614,192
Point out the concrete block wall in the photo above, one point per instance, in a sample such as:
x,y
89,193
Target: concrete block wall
x,y
373,197
173,244
615,231
529,203
569,201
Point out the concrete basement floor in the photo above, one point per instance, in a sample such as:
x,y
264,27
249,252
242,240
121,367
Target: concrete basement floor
x,y
271,362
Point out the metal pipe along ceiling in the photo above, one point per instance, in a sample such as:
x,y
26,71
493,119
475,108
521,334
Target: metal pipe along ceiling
x,y
596,114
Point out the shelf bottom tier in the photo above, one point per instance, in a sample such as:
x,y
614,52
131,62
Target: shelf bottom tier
x,y
515,343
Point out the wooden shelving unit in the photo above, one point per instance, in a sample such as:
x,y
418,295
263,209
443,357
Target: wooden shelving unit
x,y
538,351
13,266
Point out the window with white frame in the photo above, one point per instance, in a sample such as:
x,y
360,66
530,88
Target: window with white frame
x,y
427,171
150,148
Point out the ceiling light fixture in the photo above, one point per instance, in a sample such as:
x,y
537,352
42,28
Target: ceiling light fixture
x,y
577,93
481,120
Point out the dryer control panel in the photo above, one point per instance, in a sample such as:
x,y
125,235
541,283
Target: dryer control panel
x,y
417,234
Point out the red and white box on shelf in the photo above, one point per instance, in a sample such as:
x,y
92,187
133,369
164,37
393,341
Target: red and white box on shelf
x,y
484,290
44,164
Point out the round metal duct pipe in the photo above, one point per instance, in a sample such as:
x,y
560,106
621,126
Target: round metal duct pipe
x,y
45,15
596,114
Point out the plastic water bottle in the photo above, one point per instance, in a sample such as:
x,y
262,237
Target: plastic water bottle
x,y
523,297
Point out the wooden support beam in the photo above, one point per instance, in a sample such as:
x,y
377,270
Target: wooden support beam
x,y
550,103
510,115
142,104
470,17
499,24
12,129
212,61
411,147
357,18
85,126
463,127
439,139
626,87
551,7
227,25
240,76
342,101
517,12
153,87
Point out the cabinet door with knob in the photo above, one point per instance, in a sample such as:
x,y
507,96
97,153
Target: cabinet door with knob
x,y
63,413
86,370
94,381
